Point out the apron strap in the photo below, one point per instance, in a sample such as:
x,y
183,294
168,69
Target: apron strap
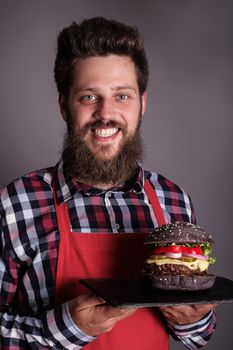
x,y
153,198
62,213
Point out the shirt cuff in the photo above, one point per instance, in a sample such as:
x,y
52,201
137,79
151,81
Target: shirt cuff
x,y
192,328
62,331
197,334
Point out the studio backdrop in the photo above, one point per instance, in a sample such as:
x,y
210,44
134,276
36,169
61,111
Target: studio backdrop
x,y
187,128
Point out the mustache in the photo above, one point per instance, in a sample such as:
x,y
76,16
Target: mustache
x,y
104,124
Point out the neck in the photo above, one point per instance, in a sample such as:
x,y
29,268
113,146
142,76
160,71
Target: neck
x,y
99,185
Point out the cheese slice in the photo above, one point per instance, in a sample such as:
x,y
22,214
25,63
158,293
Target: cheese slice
x,y
200,264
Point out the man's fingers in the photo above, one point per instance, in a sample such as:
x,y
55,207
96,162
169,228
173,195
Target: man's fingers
x,y
85,301
94,316
183,314
119,313
88,301
208,306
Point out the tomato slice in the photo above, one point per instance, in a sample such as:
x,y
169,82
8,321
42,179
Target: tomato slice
x,y
194,250
169,249
178,249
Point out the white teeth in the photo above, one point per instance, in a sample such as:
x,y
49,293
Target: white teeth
x,y
106,132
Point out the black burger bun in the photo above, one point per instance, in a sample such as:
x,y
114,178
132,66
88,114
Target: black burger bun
x,y
179,232
182,282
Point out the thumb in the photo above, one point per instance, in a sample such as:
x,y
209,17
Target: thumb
x,y
85,301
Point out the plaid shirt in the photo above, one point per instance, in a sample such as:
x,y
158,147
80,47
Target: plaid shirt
x,y
29,249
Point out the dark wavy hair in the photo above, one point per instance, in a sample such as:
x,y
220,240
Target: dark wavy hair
x,y
98,37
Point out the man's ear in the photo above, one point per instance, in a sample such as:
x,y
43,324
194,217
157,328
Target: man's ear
x,y
63,106
144,100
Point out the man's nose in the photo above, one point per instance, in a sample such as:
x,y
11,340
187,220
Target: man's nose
x,y
105,109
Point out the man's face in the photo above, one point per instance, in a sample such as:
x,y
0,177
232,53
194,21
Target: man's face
x,y
104,103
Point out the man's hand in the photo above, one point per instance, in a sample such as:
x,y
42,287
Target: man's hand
x,y
185,314
93,316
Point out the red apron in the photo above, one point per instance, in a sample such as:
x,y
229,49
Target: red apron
x,y
109,255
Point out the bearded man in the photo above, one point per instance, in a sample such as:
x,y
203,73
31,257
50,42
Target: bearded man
x,y
88,216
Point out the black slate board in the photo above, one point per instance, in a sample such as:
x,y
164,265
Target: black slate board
x,y
138,293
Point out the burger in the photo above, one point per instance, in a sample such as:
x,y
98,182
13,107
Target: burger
x,y
179,258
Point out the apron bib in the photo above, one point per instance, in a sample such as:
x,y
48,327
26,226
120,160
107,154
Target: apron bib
x,y
109,255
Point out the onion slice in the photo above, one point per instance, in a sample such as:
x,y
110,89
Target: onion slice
x,y
173,255
196,256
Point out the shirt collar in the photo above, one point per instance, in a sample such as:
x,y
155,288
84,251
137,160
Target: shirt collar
x,y
66,187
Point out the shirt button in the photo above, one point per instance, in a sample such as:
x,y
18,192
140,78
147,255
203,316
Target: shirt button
x,y
108,194
117,226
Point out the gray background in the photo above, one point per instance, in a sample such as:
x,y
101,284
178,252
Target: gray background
x,y
188,124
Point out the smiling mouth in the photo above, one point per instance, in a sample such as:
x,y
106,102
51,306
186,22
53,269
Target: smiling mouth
x,y
106,132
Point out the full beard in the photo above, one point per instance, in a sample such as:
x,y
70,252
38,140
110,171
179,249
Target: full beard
x,y
82,164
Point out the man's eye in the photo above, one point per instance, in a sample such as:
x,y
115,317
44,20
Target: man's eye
x,y
122,97
88,98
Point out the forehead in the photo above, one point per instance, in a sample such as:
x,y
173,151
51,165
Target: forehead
x,y
111,70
